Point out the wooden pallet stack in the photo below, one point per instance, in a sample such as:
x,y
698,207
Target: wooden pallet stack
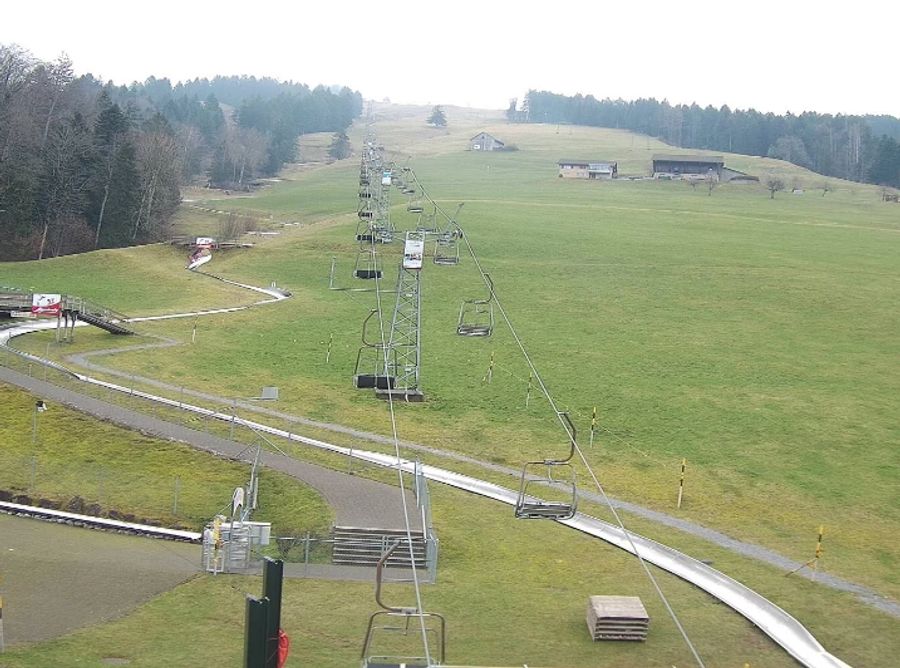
x,y
617,618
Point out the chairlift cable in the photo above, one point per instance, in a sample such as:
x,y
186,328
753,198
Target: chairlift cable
x,y
396,439
415,579
559,416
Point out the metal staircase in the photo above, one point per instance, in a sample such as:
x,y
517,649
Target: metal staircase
x,y
358,546
14,302
95,314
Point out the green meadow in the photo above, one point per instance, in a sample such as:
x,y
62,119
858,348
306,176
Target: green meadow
x,y
755,338
115,469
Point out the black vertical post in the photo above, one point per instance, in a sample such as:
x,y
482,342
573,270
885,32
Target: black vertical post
x,y
273,573
255,632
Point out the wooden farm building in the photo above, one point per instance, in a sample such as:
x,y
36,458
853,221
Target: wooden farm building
x,y
587,169
485,142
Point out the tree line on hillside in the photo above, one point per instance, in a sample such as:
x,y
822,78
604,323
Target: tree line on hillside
x,y
858,148
87,164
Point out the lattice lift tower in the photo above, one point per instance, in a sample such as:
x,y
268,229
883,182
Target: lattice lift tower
x,y
404,350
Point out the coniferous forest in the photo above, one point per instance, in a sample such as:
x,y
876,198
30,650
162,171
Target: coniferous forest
x,y
857,148
88,164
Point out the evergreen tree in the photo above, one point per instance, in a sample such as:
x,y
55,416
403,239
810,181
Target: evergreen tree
x,y
340,146
110,134
85,163
437,119
885,168
124,198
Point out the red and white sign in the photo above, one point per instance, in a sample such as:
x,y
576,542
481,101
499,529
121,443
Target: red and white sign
x,y
43,304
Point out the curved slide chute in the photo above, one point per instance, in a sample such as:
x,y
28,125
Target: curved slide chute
x,y
198,258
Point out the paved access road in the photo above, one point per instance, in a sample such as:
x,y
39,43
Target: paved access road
x,y
356,501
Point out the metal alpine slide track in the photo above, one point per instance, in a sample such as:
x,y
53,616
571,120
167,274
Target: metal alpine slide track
x,y
789,633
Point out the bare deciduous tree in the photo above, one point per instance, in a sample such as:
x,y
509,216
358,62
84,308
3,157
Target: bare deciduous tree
x,y
65,177
246,149
232,227
158,161
774,184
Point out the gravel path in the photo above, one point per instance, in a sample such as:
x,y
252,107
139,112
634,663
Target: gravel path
x,y
356,501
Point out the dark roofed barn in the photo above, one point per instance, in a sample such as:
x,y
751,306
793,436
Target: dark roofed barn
x,y
687,166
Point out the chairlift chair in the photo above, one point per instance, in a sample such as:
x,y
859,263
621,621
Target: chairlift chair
x,y
365,210
446,249
366,264
476,316
399,180
364,231
427,222
415,204
369,371
392,622
549,472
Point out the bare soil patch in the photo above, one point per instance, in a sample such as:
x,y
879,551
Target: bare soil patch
x,y
57,578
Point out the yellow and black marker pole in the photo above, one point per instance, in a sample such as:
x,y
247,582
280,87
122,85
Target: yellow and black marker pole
x,y
681,482
328,352
593,425
194,330
814,562
489,376
819,548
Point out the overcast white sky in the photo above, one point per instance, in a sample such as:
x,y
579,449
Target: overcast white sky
x,y
787,55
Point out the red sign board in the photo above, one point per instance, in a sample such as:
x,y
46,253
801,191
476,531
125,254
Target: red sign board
x,y
43,304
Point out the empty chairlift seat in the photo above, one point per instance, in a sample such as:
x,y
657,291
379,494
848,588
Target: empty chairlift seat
x,y
394,636
366,265
369,372
544,474
446,249
476,316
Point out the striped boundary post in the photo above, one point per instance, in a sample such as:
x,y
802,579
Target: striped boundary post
x,y
593,425
819,548
681,483
2,641
813,564
489,376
